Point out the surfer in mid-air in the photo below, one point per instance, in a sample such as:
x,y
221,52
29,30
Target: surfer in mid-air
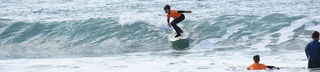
x,y
178,17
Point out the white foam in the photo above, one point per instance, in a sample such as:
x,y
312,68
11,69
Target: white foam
x,y
208,43
286,32
144,62
57,10
311,26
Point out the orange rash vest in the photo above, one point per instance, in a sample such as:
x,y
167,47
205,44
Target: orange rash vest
x,y
174,14
257,66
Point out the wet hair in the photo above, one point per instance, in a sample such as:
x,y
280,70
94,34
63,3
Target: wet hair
x,y
256,58
315,35
166,7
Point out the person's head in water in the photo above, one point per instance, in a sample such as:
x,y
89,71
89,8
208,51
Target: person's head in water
x,y
166,8
256,58
315,35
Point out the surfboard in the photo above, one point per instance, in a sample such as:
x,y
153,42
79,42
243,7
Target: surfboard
x,y
184,35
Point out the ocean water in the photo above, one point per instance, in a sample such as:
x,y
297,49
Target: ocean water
x,y
132,35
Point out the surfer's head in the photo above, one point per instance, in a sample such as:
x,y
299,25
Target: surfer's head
x,y
256,58
315,35
166,8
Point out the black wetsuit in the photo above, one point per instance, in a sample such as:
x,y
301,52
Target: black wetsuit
x,y
313,54
174,24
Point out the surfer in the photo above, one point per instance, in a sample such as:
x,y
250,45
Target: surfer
x,y
312,51
178,17
257,66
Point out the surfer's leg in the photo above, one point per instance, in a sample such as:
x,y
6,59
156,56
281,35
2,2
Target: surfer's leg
x,y
174,25
176,28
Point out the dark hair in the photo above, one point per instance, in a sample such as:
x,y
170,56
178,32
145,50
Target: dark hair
x,y
256,58
315,35
166,7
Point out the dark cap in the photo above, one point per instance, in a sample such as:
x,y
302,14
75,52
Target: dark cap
x,y
315,35
256,58
166,7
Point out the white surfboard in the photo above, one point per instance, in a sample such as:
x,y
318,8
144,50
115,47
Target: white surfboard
x,y
184,35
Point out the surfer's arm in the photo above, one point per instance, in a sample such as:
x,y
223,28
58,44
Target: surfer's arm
x,y
307,54
185,11
168,20
273,67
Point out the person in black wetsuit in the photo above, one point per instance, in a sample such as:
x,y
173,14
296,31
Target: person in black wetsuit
x,y
313,51
178,17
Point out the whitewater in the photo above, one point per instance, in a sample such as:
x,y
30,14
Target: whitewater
x,y
132,35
